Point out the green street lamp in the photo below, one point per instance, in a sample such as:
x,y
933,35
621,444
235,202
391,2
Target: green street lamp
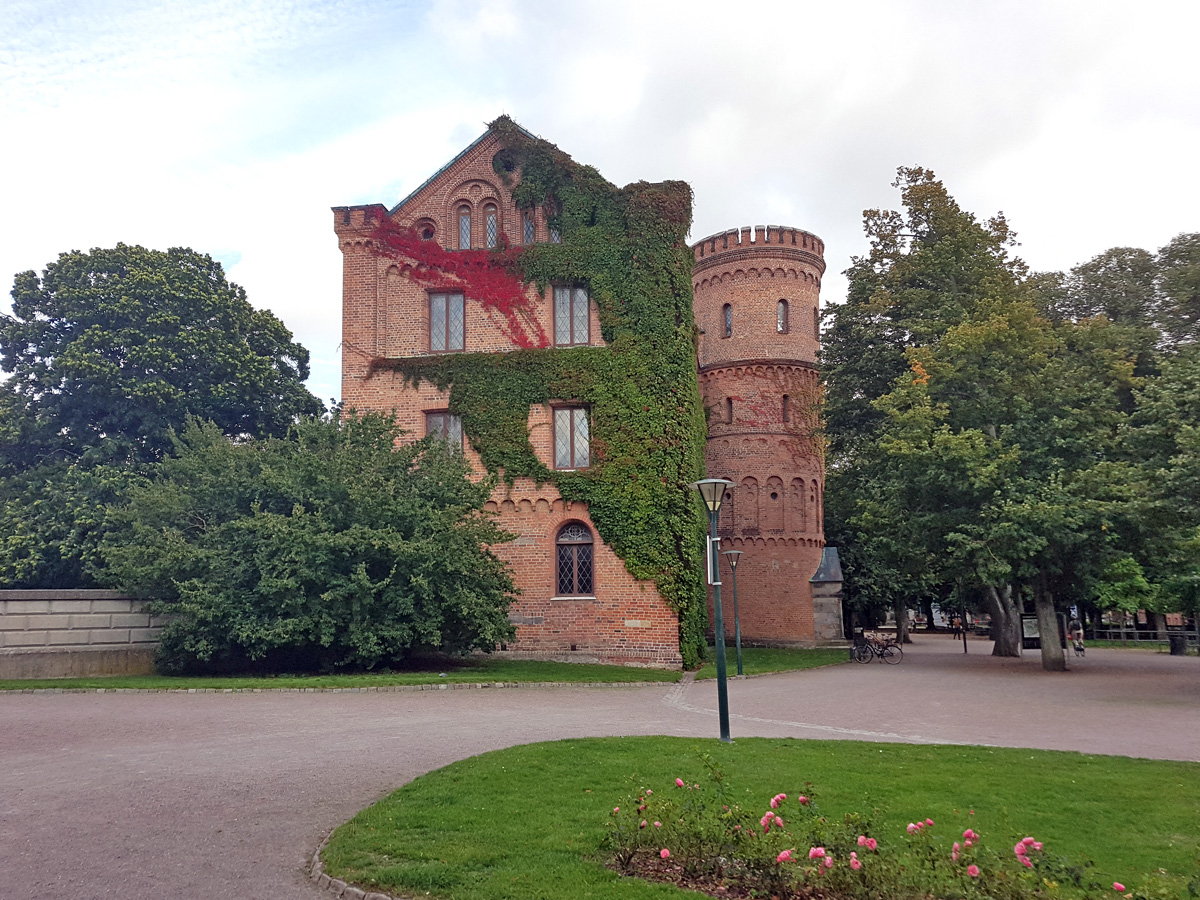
x,y
734,556
712,492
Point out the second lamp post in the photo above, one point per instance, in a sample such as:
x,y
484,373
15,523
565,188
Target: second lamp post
x,y
734,556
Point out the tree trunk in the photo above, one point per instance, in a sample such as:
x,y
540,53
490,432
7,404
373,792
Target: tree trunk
x,y
1160,624
927,612
1053,658
902,623
1006,621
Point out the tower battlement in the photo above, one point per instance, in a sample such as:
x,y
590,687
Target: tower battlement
x,y
761,238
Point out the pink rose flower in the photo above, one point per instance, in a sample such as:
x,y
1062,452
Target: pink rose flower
x,y
643,824
970,834
658,824
616,809
973,871
855,864
678,782
872,843
803,800
913,828
774,803
954,851
1028,842
649,792
829,862
816,852
778,822
929,821
1019,848
665,853
783,857
1027,862
1118,887
862,840
1037,845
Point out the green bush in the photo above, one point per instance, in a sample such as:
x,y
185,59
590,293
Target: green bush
x,y
328,549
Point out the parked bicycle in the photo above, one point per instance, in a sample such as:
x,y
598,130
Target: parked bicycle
x,y
867,649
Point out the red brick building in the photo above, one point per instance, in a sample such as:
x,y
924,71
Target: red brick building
x,y
578,600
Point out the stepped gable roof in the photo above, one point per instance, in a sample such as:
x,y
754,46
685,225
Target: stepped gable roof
x,y
465,151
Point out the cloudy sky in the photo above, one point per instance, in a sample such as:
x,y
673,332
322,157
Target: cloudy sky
x,y
232,126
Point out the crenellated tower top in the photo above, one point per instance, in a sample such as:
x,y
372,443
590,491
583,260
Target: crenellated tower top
x,y
741,243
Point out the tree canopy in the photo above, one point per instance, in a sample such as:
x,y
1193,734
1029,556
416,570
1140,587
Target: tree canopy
x,y
112,349
324,549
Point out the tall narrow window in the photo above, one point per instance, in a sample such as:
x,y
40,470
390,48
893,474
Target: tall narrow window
x,y
555,237
446,320
726,320
787,412
446,426
729,410
816,323
464,228
571,438
528,227
571,316
781,317
493,225
574,561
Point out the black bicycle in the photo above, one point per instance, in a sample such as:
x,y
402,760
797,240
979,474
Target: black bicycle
x,y
872,648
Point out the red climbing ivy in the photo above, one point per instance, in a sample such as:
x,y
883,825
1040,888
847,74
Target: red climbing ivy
x,y
489,277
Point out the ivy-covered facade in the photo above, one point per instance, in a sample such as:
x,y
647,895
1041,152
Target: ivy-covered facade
x,y
522,306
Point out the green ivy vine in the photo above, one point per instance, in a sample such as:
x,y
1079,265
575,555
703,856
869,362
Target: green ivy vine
x,y
628,245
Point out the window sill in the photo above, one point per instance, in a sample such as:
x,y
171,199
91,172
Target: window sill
x,y
574,597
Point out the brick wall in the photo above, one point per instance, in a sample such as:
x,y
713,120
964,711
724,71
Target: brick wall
x,y
49,634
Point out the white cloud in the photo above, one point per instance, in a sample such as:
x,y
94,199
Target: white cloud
x,y
233,127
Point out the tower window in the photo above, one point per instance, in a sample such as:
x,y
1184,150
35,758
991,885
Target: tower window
x,y
729,410
727,320
492,223
787,412
573,548
816,323
464,228
781,317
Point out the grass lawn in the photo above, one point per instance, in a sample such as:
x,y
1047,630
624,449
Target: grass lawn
x,y
456,671
763,660
529,821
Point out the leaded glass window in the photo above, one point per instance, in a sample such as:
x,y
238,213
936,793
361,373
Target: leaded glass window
x,y
528,226
447,318
464,228
571,441
555,237
574,561
446,426
493,226
572,315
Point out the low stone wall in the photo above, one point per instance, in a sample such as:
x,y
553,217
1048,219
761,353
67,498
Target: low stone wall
x,y
58,634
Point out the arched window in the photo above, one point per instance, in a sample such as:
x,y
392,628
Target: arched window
x,y
573,555
726,320
493,225
729,410
464,228
781,317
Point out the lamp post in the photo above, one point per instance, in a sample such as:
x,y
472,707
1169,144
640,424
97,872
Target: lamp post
x,y
734,556
712,492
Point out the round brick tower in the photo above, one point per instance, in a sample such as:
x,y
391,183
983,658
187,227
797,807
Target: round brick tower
x,y
756,299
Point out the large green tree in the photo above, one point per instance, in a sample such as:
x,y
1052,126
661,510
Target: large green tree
x,y
328,548
110,352
115,348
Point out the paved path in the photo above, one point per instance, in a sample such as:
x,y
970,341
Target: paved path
x,y
214,796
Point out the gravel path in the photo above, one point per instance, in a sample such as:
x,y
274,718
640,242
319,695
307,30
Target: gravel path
x,y
226,795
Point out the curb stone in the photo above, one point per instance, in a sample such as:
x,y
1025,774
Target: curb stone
x,y
378,689
339,888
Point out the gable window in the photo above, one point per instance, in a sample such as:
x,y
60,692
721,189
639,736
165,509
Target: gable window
x,y
493,225
571,316
573,548
446,318
528,228
727,320
464,228
571,438
781,317
445,426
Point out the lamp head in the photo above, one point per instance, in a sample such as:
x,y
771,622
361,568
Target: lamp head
x,y
712,492
734,556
